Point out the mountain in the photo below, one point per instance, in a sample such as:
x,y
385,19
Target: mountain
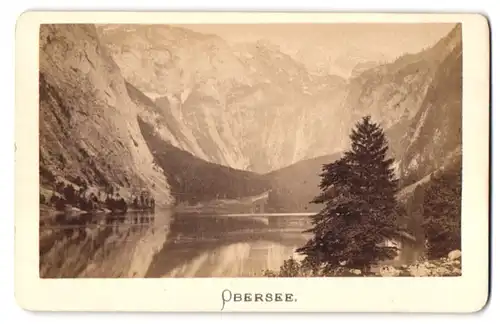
x,y
251,106
88,126
393,93
341,60
247,106
434,136
430,149
191,178
363,66
185,106
98,132
162,120
195,180
424,136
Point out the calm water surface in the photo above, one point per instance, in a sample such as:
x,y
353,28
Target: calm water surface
x,y
166,244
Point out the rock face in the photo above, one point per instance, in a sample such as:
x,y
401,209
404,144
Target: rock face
x,y
246,106
434,136
88,123
92,129
453,255
431,143
436,268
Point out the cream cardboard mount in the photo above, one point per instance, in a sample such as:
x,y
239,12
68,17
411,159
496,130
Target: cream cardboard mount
x,y
234,162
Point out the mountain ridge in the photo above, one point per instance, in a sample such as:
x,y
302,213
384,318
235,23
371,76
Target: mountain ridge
x,y
233,99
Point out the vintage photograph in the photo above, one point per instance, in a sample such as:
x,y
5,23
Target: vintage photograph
x,y
250,150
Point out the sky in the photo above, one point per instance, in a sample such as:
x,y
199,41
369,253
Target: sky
x,y
335,46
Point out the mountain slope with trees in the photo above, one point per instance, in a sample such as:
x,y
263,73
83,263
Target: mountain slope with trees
x,y
431,150
195,180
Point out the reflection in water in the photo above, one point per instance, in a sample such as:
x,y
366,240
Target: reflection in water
x,y
101,246
215,246
166,245
234,260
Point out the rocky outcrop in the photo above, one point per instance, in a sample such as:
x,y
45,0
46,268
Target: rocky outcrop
x,y
444,267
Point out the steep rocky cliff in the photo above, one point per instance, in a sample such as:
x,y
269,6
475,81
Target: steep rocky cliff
x,y
433,139
88,123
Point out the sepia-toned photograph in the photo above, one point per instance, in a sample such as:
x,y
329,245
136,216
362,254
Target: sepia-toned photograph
x,y
252,162
250,150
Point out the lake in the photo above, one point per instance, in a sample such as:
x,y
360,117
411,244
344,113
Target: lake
x,y
167,244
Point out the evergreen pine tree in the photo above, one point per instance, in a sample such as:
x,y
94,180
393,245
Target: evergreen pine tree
x,y
143,201
42,199
70,194
442,211
359,214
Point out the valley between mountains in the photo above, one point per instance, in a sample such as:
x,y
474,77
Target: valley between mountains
x,y
189,118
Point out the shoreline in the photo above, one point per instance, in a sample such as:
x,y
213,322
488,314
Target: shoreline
x,y
49,211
